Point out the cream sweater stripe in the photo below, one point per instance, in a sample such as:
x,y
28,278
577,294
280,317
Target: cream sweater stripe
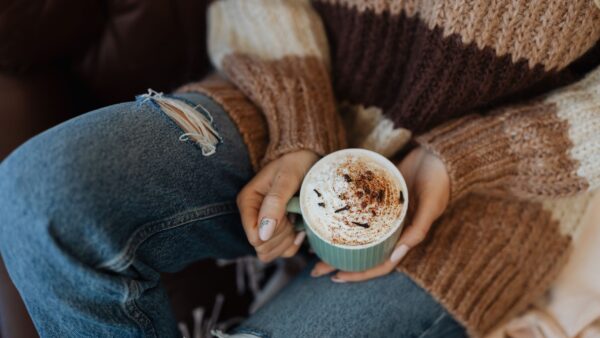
x,y
545,148
579,105
266,29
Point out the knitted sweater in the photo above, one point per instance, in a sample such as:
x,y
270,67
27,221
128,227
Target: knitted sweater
x,y
506,93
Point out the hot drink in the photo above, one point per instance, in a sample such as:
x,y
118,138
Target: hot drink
x,y
352,199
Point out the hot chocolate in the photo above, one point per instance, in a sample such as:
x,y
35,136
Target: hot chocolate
x,y
352,199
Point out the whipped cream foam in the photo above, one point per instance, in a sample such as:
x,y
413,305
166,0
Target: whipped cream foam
x,y
351,199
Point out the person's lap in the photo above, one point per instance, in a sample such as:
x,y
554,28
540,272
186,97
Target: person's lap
x,y
92,210
390,306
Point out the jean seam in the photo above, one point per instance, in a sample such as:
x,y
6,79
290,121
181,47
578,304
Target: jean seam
x,y
126,256
135,313
435,322
252,331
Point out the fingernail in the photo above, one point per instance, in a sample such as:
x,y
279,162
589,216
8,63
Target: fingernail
x,y
299,238
266,228
399,253
315,273
335,279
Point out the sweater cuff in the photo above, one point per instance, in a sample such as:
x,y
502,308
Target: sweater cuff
x,y
245,115
295,95
476,152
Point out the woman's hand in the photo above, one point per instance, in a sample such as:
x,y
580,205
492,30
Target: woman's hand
x,y
429,191
262,205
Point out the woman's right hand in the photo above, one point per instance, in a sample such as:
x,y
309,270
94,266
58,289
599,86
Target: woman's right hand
x,y
262,204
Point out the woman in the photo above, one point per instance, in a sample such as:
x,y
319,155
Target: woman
x,y
500,99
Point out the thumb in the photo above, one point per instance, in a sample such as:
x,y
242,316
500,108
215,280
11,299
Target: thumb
x,y
273,207
428,210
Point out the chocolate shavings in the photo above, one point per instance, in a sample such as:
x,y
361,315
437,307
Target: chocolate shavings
x,y
342,209
322,205
347,178
317,192
362,225
380,196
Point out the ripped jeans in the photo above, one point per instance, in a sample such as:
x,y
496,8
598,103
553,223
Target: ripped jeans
x,y
92,210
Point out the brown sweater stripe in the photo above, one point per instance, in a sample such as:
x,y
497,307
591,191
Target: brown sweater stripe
x,y
524,29
417,92
500,154
520,256
305,119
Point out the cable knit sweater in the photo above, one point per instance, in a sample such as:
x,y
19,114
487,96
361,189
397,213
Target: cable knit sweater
x,y
506,93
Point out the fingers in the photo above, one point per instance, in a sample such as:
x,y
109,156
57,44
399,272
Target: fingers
x,y
378,271
292,250
249,201
265,247
283,245
272,211
428,209
321,268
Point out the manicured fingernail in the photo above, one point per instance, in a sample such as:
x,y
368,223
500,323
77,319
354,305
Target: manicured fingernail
x,y
337,280
266,228
399,253
299,238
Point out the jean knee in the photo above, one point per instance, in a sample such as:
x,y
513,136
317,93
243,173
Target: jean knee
x,y
94,179
52,185
33,182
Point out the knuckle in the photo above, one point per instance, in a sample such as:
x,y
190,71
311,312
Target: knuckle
x,y
289,253
255,242
286,177
273,198
265,258
241,196
420,234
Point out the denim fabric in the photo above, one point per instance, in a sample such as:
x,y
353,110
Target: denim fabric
x,y
92,210
389,306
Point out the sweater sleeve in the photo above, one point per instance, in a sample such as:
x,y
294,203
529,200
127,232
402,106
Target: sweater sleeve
x,y
549,147
276,52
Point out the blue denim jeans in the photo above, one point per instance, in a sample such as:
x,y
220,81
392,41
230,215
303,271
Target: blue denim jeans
x,y
91,212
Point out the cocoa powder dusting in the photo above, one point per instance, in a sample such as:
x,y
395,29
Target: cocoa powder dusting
x,y
362,199
369,188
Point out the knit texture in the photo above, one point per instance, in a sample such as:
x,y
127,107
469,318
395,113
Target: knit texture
x,y
295,97
504,92
549,147
488,258
426,73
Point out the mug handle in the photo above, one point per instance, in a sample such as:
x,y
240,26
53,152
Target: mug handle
x,y
293,206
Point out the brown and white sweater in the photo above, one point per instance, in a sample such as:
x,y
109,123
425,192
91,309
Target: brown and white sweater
x,y
506,93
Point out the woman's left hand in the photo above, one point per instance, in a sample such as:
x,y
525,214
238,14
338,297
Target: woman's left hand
x,y
429,190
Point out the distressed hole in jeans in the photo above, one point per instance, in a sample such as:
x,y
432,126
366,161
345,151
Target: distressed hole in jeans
x,y
196,121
